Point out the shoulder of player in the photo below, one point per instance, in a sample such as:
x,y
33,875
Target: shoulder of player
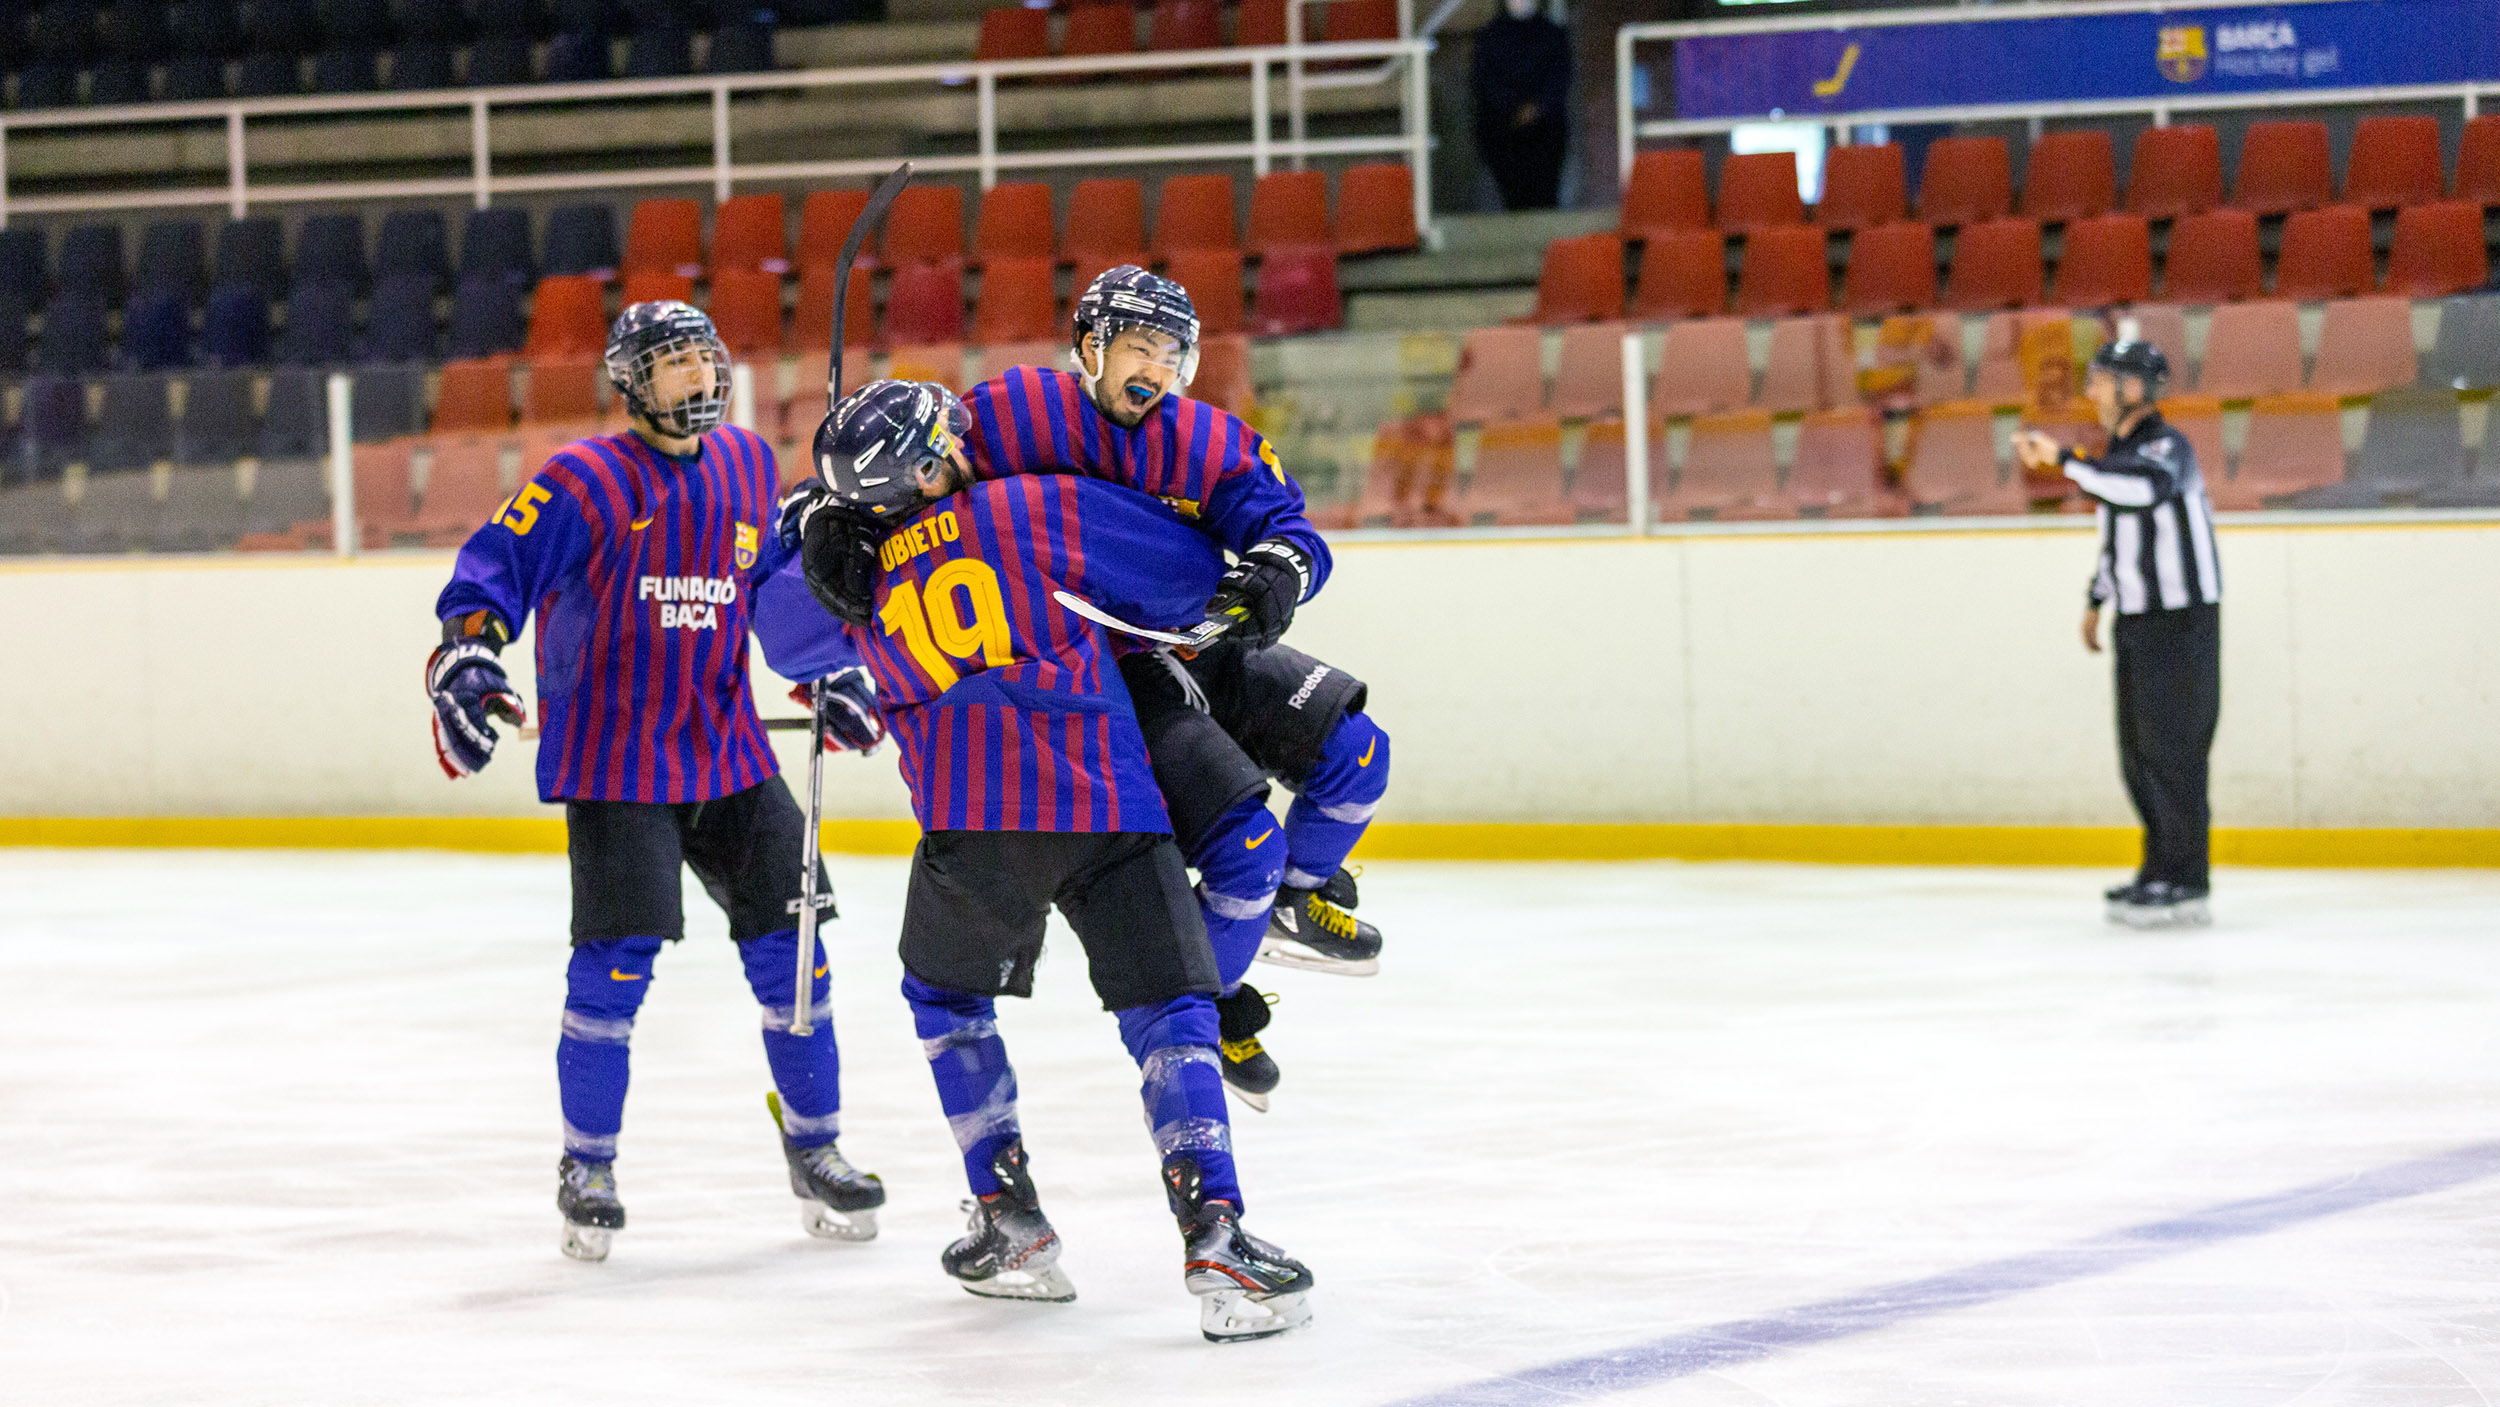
x,y
588,472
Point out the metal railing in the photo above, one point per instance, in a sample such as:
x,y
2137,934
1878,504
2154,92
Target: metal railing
x,y
1402,61
1629,131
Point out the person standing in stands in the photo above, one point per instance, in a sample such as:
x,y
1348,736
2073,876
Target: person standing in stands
x,y
1522,87
2158,565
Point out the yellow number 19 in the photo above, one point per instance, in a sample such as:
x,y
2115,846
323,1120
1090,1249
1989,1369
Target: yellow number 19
x,y
934,626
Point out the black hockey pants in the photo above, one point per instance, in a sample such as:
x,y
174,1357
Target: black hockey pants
x,y
2169,700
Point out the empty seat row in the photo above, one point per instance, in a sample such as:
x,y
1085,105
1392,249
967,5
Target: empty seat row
x,y
496,242
1097,27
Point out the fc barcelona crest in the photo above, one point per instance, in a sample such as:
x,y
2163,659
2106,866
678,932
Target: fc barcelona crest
x,y
743,546
2181,53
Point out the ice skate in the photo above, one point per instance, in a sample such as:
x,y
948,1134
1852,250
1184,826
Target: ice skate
x,y
586,1194
837,1202
1009,1250
1249,1071
1246,1288
2160,904
1310,929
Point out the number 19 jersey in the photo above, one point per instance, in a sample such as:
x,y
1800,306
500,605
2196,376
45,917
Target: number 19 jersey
x,y
1007,706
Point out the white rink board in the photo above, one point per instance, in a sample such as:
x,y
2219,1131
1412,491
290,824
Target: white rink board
x,y
1842,677
281,1128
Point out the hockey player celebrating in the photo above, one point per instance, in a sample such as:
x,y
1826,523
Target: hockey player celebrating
x,y
1033,789
1222,725
639,553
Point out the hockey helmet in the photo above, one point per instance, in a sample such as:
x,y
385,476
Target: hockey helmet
x,y
1128,296
646,335
2130,355
869,450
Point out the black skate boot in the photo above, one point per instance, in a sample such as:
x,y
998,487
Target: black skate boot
x,y
1009,1251
1246,1288
1249,1071
2158,903
586,1194
1311,929
837,1202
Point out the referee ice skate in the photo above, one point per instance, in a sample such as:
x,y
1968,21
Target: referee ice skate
x,y
640,554
2159,568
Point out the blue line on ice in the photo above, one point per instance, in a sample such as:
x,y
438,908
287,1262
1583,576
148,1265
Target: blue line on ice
x,y
1747,1340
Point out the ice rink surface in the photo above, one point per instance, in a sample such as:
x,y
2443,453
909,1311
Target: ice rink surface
x,y
281,1128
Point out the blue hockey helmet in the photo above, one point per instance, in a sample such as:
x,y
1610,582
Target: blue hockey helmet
x,y
870,449
2130,355
1128,296
648,334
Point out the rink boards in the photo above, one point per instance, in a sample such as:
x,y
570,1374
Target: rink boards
x,y
1912,693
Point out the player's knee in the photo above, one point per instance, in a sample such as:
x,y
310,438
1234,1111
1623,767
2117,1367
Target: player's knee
x,y
1186,1020
942,1013
1241,861
1353,770
771,961
604,986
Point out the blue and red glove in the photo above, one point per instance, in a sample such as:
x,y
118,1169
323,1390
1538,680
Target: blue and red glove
x,y
849,706
468,687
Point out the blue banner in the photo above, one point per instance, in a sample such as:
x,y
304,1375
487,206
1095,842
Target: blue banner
x,y
2174,54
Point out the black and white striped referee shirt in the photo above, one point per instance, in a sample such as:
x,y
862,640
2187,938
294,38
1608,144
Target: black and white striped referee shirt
x,y
2157,528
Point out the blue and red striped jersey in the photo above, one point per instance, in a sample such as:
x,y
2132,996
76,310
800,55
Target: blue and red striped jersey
x,y
1007,707
641,569
1207,463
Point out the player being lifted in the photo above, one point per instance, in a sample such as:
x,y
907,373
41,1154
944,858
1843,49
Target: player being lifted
x,y
1033,789
1249,710
640,553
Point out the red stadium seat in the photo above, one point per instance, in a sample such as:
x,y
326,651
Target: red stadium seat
x,y
941,362
1195,212
750,232
1213,278
1998,378
811,326
1376,209
1966,180
2438,250
462,488
1812,366
2365,347
1019,300
1683,274
1288,208
665,236
657,286
568,317
2251,349
1500,375
1598,491
746,309
563,390
1730,470
1839,468
2165,326
2176,171
1953,467
1918,361
1107,216
1518,478
2107,259
386,502
1862,186
1669,190
1582,280
1758,190
1223,377
473,396
2394,161
1297,292
1178,25
1354,20
1891,268
1015,222
2200,419
2478,161
1013,33
2070,176
997,357
925,224
2295,442
2213,259
1259,23
825,221
1785,270
2325,254
2284,166
1704,368
1588,382
1100,29
924,305
1995,265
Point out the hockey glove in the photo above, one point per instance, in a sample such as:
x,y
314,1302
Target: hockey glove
x,y
837,552
849,706
468,687
1258,595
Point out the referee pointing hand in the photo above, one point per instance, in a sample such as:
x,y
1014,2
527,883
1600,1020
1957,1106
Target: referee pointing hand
x,y
2158,567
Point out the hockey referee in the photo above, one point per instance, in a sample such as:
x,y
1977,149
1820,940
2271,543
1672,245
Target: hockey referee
x,y
2158,566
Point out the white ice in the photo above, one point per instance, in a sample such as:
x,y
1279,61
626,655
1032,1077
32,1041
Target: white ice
x,y
280,1128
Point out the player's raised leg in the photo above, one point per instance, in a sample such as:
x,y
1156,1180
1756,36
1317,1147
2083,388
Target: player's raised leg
x,y
1334,806
1240,861
837,1202
604,987
1009,1251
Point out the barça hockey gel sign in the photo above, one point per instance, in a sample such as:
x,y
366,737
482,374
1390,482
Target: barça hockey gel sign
x,y
2074,58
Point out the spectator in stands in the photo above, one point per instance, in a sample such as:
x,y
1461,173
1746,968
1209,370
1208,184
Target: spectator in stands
x,y
1522,88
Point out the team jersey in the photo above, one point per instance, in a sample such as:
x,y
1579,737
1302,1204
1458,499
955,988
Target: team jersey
x,y
2156,525
1006,706
1208,464
640,568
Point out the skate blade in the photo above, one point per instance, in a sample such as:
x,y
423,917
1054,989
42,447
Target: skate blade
x,y
1257,1102
1284,952
832,1224
2192,914
1237,1316
586,1242
1049,1285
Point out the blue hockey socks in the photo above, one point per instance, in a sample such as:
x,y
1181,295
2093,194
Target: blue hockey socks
x,y
1239,862
1336,801
976,1086
807,1070
1174,1044
603,988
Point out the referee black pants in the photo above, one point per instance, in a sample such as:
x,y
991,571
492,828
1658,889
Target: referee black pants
x,y
2169,699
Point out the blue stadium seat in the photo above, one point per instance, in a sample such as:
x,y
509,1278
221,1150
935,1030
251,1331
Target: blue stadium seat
x,y
195,76
118,83
577,56
62,31
297,423
485,317
320,323
356,24
500,58
282,26
237,330
16,312
55,424
332,247
46,83
662,51
388,402
440,21
421,65
581,239
73,334
173,254
253,250
136,426
91,259
209,28
217,421
344,71
25,263
136,30
156,329
414,242
740,48
582,15
400,325
496,242
268,75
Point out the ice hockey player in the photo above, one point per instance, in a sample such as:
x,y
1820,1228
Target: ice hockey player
x,y
639,553
1220,726
1033,789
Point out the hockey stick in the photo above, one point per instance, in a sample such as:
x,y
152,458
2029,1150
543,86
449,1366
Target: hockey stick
x,y
1196,638
809,903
